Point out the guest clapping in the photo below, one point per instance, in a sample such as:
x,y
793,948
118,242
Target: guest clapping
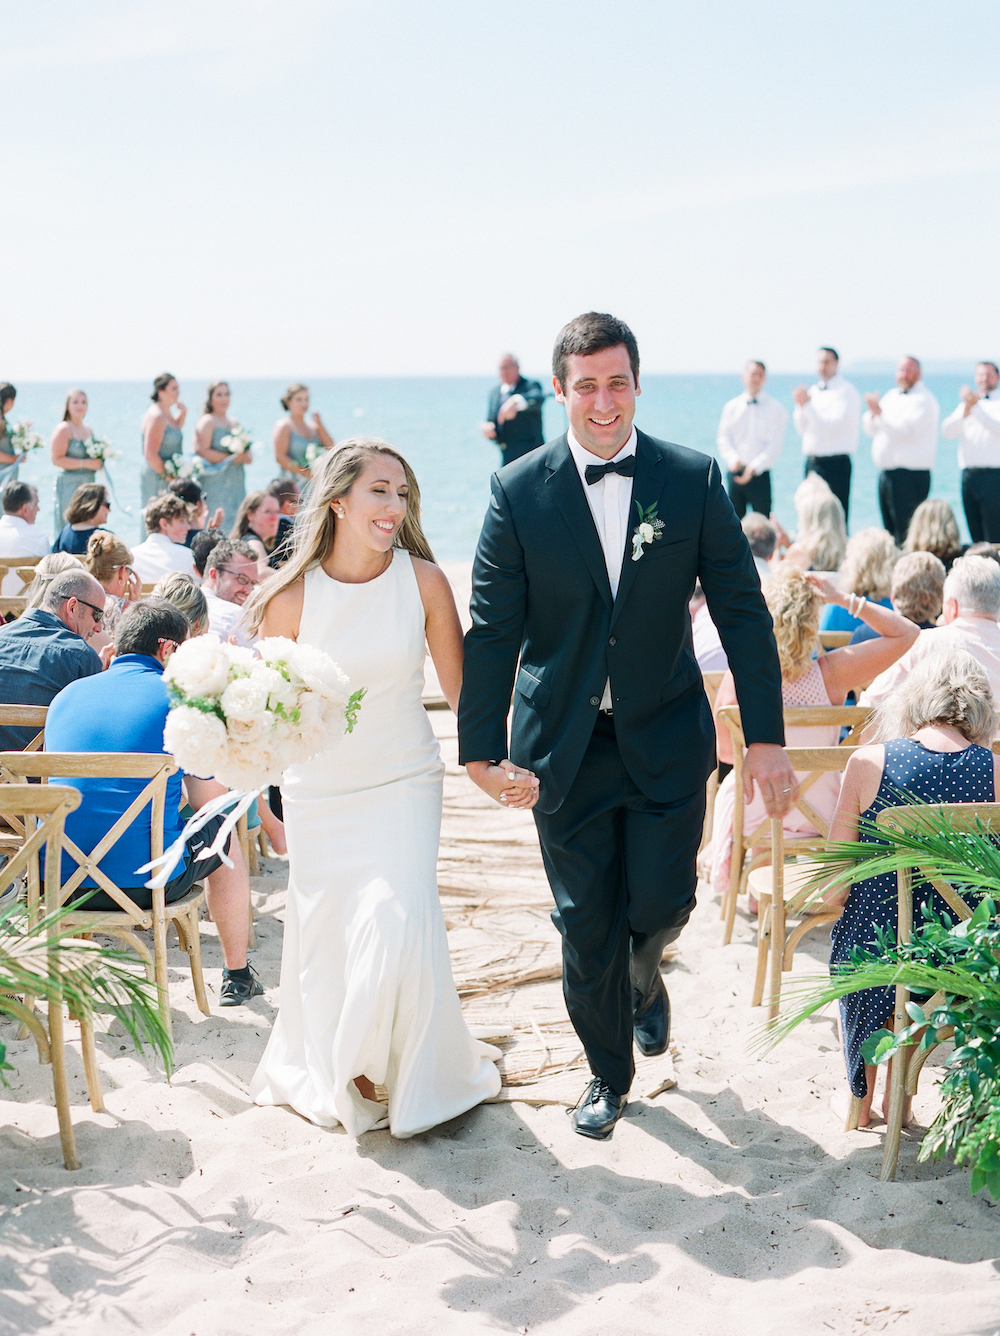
x,y
299,440
904,428
975,423
827,417
167,520
751,434
68,449
162,438
88,508
224,479
257,525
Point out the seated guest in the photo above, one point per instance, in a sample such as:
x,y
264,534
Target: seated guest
x,y
917,592
46,571
982,550
256,525
124,710
867,571
110,563
88,508
971,610
19,535
194,495
46,647
933,742
821,536
762,535
181,592
286,492
230,579
934,528
704,634
166,520
794,601
201,545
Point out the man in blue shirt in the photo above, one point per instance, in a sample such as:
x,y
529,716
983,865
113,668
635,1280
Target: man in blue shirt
x,y
124,710
47,647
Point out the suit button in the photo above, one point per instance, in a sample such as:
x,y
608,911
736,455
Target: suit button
x,y
595,700
611,641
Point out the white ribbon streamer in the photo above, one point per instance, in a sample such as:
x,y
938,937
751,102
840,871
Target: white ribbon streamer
x,y
240,800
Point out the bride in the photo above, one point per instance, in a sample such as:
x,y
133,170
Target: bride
x,y
367,995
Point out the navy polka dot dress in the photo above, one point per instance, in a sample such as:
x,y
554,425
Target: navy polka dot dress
x,y
935,777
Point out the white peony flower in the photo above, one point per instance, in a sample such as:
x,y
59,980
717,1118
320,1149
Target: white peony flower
x,y
647,532
199,667
247,730
241,658
279,690
319,673
196,740
249,765
245,699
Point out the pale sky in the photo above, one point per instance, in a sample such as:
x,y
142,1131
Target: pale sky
x,y
315,187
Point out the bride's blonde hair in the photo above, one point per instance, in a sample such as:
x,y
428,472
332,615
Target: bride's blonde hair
x,y
332,476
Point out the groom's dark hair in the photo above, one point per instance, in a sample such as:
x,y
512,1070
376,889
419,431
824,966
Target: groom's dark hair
x,y
591,333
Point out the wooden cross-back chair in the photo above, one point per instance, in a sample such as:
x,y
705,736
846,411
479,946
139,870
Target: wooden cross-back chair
x,y
833,640
782,889
15,600
757,843
905,1067
42,811
147,587
19,716
123,923
712,681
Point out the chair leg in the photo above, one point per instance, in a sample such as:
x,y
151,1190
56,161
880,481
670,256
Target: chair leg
x,y
90,1069
732,894
251,930
160,967
711,789
763,942
57,1053
897,1092
192,945
853,1114
777,934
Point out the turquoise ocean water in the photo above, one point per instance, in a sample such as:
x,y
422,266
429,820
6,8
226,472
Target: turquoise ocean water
x,y
434,422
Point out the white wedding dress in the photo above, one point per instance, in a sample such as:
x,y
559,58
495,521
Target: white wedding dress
x,y
366,982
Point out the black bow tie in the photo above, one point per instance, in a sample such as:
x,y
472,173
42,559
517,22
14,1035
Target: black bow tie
x,y
751,401
595,472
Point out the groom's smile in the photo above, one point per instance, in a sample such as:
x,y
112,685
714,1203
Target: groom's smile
x,y
599,395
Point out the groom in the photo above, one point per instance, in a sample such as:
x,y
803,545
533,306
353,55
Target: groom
x,y
587,558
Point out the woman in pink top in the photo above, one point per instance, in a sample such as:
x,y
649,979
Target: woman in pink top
x,y
795,600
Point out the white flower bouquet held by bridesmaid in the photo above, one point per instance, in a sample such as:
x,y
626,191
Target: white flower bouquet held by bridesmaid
x,y
237,440
244,720
98,447
180,467
24,440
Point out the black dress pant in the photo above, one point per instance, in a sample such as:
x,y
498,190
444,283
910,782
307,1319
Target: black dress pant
x,y
900,491
835,470
981,499
756,493
621,868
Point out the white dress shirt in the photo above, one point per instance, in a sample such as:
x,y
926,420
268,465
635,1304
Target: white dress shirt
x,y
18,538
507,395
828,421
708,649
904,435
158,556
978,434
978,636
224,618
610,501
751,432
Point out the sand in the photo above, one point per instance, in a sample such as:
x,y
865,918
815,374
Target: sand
x,y
730,1202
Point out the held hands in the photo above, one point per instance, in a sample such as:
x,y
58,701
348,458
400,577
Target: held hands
x,y
506,783
768,766
744,477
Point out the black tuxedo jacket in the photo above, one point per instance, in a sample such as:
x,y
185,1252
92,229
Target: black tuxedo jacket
x,y
524,431
540,593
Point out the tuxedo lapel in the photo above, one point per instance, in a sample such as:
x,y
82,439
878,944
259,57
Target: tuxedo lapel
x,y
650,474
566,491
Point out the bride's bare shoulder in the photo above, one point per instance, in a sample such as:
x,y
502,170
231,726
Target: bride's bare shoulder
x,y
283,612
431,579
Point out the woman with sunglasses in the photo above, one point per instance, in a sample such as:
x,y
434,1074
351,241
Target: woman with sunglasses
x,y
89,507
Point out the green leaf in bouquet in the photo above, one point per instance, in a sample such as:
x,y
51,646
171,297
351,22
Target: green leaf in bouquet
x,y
352,708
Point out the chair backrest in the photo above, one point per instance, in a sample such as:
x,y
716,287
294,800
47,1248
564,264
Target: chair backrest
x,y
24,716
712,681
834,640
147,587
961,817
22,567
44,809
12,606
854,717
155,768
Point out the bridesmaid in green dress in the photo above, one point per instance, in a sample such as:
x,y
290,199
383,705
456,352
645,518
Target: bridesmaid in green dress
x,y
68,450
294,434
162,438
224,478
8,457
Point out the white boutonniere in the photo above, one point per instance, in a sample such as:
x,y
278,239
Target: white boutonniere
x,y
648,530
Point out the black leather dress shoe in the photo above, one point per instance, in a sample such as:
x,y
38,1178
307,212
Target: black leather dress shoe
x,y
598,1111
651,1019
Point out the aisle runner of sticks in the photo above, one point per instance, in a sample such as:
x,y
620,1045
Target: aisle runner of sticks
x,y
505,950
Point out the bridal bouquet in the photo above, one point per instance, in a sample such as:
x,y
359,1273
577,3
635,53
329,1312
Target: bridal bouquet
x,y
237,441
24,440
179,467
245,720
98,447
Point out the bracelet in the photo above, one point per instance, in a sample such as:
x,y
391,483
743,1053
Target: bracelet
x,y
855,602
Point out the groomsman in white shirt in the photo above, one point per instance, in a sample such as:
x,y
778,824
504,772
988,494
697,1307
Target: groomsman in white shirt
x,y
751,434
827,416
976,425
903,425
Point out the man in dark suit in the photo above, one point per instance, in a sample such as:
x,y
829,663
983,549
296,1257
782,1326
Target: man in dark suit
x,y
514,416
586,562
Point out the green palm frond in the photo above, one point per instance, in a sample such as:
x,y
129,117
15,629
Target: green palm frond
x,y
46,960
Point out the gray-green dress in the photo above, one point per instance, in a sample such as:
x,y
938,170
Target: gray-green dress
x,y
224,484
8,472
151,482
68,480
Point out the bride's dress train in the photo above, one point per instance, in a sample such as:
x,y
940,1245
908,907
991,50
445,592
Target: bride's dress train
x,y
366,982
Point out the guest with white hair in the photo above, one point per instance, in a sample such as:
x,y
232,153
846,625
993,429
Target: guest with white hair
x,y
762,535
821,536
971,612
867,573
933,741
